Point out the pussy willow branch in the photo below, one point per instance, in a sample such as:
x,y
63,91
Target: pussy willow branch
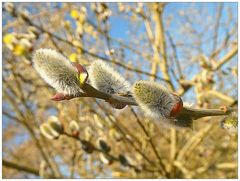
x,y
186,113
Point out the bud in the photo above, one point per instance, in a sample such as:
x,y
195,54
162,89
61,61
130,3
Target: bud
x,y
58,97
33,30
10,38
87,146
103,145
57,71
74,127
25,15
47,131
156,101
19,50
123,160
55,124
110,52
9,7
25,43
82,72
74,14
105,159
73,57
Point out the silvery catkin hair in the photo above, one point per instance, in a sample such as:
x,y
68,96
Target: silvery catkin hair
x,y
57,71
106,79
157,103
154,99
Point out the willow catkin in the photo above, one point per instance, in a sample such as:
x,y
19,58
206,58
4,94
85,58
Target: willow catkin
x,y
57,71
154,99
106,79
158,103
47,131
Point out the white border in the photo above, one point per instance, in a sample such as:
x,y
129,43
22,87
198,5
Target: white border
x,y
110,1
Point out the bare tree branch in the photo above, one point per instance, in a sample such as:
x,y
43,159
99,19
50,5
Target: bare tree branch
x,y
19,167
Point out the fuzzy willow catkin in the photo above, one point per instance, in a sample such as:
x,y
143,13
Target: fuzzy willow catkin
x,y
57,71
106,79
155,100
158,103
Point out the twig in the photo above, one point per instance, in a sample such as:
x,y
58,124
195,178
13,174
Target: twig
x,y
19,167
226,58
221,96
219,15
175,54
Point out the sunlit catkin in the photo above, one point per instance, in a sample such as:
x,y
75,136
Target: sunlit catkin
x,y
57,71
48,132
158,103
155,100
106,79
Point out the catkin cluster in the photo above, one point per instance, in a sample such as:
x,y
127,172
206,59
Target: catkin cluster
x,y
155,100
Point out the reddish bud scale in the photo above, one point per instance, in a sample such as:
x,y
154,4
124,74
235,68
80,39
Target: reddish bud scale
x,y
75,134
58,97
79,67
88,147
81,70
177,107
61,96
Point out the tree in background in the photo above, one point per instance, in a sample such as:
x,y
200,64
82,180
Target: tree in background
x,y
189,48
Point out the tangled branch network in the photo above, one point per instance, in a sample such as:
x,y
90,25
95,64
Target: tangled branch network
x,y
72,80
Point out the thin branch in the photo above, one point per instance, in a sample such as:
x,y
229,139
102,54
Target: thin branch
x,y
219,15
19,167
226,58
221,96
174,47
160,42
